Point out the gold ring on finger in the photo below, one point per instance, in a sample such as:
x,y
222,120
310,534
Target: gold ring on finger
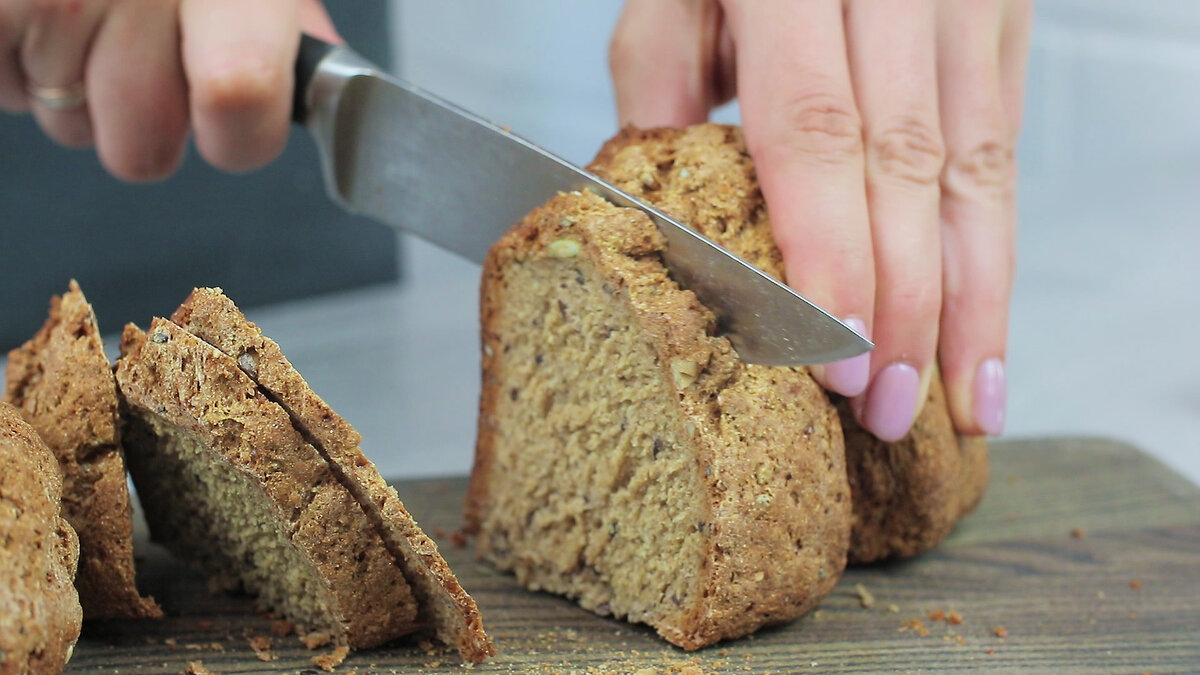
x,y
58,98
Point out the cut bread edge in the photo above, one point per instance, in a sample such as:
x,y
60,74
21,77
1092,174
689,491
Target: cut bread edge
x,y
452,614
63,384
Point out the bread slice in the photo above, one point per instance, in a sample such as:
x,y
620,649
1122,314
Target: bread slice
x,y
40,615
62,383
626,458
228,484
908,494
443,604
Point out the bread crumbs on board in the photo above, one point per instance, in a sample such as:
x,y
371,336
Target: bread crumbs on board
x,y
261,644
327,662
864,596
316,640
1136,584
282,628
1000,632
1077,533
915,624
197,668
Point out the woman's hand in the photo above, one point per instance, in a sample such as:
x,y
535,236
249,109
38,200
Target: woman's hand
x,y
133,77
883,134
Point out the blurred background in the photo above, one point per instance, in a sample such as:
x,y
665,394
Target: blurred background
x,y
1107,295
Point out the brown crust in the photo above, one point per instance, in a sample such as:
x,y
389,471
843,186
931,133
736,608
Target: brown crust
x,y
777,500
974,472
210,315
921,484
178,378
62,382
907,493
40,616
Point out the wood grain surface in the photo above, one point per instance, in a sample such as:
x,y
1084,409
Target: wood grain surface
x,y
1119,594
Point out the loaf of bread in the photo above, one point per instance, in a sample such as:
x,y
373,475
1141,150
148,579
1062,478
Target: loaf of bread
x,y
40,616
907,494
63,385
626,457
442,603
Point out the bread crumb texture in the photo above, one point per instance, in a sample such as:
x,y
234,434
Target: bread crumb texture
x,y
62,382
40,616
231,486
442,605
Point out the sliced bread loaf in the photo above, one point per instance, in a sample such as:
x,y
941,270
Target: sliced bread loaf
x,y
626,458
40,615
442,603
908,494
230,485
63,385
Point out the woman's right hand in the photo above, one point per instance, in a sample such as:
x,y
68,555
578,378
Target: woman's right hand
x,y
135,77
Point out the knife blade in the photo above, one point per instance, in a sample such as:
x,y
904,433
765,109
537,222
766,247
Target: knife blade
x,y
398,154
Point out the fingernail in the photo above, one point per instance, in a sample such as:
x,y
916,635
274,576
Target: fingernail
x,y
849,377
892,402
989,393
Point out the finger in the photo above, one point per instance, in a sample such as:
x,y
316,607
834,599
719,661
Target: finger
x,y
315,21
136,90
13,18
803,130
238,60
1014,57
894,70
978,218
664,62
53,54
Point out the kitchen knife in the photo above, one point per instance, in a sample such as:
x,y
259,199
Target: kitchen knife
x,y
400,155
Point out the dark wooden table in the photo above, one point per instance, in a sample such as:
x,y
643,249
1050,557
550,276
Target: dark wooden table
x,y
1085,553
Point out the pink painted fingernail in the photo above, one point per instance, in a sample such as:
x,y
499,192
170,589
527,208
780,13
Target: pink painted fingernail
x,y
848,377
892,402
989,393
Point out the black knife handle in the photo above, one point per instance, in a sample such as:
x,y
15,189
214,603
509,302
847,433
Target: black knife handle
x,y
312,52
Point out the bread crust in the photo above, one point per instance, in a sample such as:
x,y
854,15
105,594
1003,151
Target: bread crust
x,y
908,494
776,499
214,318
179,379
40,616
62,382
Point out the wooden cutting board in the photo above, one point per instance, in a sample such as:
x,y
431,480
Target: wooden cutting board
x,y
1084,556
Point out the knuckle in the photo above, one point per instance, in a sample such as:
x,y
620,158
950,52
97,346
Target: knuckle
x,y
910,150
985,168
820,127
239,85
